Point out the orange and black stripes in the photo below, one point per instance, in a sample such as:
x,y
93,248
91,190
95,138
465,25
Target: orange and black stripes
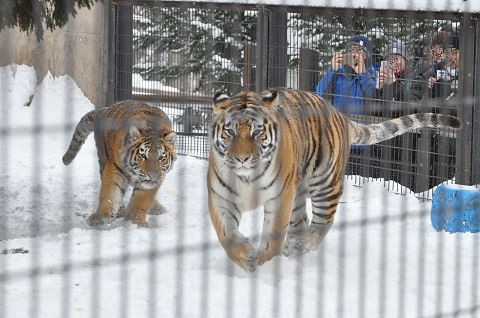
x,y
276,149
135,146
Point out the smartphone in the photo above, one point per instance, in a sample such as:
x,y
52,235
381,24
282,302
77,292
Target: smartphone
x,y
348,59
385,65
442,74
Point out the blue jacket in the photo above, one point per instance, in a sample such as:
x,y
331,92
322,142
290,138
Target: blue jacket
x,y
348,92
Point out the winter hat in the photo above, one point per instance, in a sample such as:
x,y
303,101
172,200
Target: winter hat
x,y
451,42
395,48
361,41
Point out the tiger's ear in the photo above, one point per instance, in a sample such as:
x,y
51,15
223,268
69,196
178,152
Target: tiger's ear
x,y
221,101
170,137
270,98
133,134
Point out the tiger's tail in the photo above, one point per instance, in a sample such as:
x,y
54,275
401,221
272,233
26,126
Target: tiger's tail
x,y
374,133
84,127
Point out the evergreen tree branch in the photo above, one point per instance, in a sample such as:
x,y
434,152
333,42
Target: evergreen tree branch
x,y
32,15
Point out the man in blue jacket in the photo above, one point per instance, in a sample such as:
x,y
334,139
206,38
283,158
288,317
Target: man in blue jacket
x,y
350,78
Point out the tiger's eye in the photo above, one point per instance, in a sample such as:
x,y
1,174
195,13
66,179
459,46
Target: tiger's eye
x,y
257,133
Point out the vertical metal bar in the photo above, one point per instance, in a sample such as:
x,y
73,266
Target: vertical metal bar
x,y
205,280
249,55
5,102
124,52
70,68
261,49
423,159
277,48
466,92
475,273
109,60
476,103
36,206
405,155
180,206
308,70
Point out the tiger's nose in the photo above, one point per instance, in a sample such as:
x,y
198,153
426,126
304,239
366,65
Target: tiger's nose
x,y
242,158
152,178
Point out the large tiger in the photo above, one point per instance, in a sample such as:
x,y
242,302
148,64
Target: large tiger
x,y
135,145
276,149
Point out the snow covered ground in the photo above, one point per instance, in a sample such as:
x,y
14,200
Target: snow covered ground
x,y
382,257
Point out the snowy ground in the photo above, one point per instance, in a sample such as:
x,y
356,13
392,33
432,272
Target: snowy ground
x,y
382,257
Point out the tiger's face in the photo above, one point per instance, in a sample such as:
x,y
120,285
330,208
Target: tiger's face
x,y
147,156
244,132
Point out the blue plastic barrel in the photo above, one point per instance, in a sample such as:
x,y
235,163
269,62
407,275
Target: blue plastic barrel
x,y
456,208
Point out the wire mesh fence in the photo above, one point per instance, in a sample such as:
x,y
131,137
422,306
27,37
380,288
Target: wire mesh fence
x,y
234,48
382,257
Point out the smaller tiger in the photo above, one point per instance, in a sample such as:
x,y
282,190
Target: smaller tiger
x,y
135,145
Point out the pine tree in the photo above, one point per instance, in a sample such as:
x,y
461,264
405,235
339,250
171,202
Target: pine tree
x,y
31,15
179,43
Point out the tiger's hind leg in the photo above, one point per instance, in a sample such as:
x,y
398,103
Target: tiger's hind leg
x,y
298,223
324,206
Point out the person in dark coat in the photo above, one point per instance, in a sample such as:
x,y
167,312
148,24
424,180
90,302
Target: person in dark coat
x,y
394,82
442,78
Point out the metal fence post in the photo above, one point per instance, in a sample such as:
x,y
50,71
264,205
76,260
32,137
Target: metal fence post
x,y
277,48
308,69
248,72
466,90
124,52
110,19
476,106
261,49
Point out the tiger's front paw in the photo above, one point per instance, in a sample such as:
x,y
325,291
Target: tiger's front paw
x,y
157,208
245,256
139,221
96,219
269,250
264,256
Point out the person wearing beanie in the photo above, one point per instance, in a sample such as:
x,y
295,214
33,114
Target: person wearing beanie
x,y
393,80
442,79
423,61
350,78
436,48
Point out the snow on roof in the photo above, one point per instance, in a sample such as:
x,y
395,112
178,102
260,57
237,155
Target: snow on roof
x,y
462,6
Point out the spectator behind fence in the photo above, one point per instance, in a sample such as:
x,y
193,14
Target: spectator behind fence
x,y
435,57
350,78
442,78
394,81
422,57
